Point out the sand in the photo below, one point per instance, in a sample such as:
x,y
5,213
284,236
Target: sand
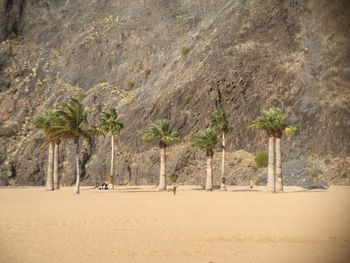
x,y
139,224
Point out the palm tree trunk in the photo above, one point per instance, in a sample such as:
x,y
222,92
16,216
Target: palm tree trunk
x,y
55,167
111,177
223,179
49,179
271,165
279,182
77,183
162,178
209,182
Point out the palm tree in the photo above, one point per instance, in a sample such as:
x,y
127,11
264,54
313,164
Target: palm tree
x,y
161,132
220,123
110,124
207,140
45,122
274,122
72,126
265,122
280,125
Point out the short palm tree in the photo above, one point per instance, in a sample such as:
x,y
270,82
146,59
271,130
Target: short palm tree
x,y
274,122
162,133
207,140
72,126
220,123
45,123
111,126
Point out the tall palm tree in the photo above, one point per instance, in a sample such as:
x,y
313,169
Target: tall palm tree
x,y
110,125
265,122
220,123
45,122
207,140
161,132
72,126
274,122
280,124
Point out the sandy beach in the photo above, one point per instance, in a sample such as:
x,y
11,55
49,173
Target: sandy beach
x,y
140,224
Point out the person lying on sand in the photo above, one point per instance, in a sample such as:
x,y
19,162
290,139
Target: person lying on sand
x,y
104,186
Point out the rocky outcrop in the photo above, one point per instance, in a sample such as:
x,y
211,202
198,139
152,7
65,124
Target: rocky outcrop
x,y
11,12
241,55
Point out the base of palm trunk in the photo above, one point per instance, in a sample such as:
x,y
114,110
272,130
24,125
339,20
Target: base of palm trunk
x,y
223,184
111,183
162,182
279,189
223,187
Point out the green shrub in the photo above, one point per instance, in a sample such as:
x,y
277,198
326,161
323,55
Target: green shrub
x,y
147,72
131,85
314,171
261,159
188,98
14,35
185,51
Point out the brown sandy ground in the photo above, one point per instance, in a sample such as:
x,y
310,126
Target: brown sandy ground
x,y
140,224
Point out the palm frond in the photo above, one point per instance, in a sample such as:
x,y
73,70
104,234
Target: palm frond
x,y
109,122
219,122
273,120
205,139
290,130
73,121
162,132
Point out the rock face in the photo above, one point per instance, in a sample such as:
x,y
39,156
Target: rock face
x,y
175,59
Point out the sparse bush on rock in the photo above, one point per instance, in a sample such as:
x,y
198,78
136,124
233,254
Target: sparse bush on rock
x,y
185,51
261,159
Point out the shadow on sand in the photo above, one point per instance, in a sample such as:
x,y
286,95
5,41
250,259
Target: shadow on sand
x,y
216,189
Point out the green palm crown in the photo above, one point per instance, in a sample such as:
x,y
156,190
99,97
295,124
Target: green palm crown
x,y
47,123
219,122
274,122
72,122
206,140
109,122
162,132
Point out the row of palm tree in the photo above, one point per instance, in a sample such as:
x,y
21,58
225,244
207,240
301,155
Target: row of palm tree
x,y
273,121
208,140
44,123
69,122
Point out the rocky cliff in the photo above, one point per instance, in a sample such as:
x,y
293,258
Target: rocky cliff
x,y
177,59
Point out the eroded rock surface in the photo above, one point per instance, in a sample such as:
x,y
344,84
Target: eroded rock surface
x,y
243,56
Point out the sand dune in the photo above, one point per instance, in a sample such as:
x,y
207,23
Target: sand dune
x,y
143,225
